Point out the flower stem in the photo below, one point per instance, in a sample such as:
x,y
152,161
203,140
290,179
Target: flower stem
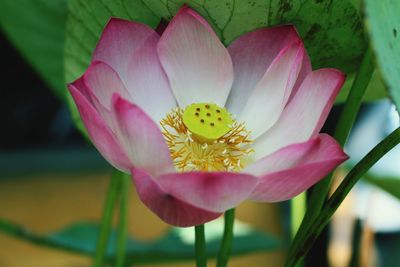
x,y
347,117
122,235
339,195
227,239
106,220
200,246
298,209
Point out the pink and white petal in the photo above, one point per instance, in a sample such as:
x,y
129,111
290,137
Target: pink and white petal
x,y
119,41
213,191
147,82
100,134
104,112
197,64
293,169
166,206
305,114
293,155
252,54
141,138
269,97
80,85
306,69
97,85
102,81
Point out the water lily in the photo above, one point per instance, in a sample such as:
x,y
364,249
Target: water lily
x,y
202,127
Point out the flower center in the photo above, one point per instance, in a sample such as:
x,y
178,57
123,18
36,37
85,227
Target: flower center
x,y
207,122
205,137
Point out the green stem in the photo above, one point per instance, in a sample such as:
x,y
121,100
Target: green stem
x,y
106,220
200,246
339,195
227,239
347,117
297,209
122,235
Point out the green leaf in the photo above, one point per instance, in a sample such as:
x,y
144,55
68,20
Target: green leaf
x,y
389,184
37,30
382,21
332,30
176,245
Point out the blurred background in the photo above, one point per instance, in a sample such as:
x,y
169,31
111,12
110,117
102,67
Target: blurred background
x,y
51,177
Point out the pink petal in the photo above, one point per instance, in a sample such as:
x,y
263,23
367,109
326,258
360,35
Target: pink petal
x,y
293,169
213,191
80,85
147,82
306,69
130,48
305,114
98,84
119,41
197,64
100,134
104,112
141,138
102,81
252,54
169,208
266,102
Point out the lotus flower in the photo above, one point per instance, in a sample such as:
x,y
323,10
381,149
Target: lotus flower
x,y
202,127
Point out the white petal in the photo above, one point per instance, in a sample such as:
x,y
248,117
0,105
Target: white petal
x,y
252,54
270,96
305,114
147,82
197,64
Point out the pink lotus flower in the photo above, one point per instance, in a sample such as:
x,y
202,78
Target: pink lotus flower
x,y
201,127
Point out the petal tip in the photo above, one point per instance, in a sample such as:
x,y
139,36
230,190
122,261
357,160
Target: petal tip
x,y
337,150
116,21
117,101
340,74
78,85
71,86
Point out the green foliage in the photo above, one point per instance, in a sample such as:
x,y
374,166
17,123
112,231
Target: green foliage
x,y
37,30
389,184
173,246
383,24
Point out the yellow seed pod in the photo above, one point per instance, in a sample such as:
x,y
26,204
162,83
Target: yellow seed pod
x,y
207,121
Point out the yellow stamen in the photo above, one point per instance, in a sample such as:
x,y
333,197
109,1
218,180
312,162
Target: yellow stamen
x,y
194,148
